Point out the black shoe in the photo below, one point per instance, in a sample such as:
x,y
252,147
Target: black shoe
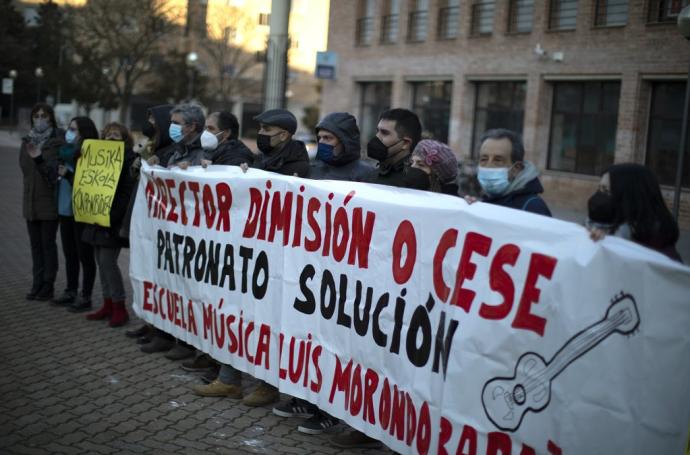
x,y
200,364
67,298
180,352
31,295
45,294
145,339
80,305
140,332
317,424
158,344
296,408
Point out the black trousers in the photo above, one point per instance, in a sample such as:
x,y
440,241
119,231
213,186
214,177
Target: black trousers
x,y
42,236
78,255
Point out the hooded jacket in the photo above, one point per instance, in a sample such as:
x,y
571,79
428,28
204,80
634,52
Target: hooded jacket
x,y
347,165
232,152
164,147
523,193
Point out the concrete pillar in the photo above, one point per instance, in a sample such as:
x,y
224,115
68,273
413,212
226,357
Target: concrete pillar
x,y
276,58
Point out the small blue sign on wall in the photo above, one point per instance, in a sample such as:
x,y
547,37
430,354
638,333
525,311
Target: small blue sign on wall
x,y
326,64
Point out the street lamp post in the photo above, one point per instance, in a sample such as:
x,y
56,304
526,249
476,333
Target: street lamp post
x,y
39,76
684,29
191,61
13,76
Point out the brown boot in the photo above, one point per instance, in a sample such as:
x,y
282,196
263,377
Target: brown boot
x,y
119,315
263,394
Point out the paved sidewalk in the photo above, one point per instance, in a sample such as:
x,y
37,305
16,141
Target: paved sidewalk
x,y
71,386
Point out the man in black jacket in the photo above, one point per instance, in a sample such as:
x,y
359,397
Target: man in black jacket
x,y
281,153
397,134
506,178
230,151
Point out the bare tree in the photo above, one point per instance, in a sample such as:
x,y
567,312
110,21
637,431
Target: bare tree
x,y
118,38
227,43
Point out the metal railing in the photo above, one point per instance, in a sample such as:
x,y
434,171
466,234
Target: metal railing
x,y
365,31
417,26
389,29
448,22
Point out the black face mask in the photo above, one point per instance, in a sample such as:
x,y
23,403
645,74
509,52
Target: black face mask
x,y
148,130
376,149
417,179
263,142
601,209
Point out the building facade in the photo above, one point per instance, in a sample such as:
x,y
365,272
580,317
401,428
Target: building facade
x,y
587,83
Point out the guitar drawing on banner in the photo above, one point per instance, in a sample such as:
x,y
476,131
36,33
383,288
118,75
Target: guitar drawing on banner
x,y
506,400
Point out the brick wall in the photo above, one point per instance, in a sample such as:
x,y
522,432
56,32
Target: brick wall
x,y
631,54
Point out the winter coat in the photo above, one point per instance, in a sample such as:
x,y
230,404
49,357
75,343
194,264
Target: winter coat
x,y
347,165
109,237
391,174
232,152
526,198
292,158
39,200
164,147
192,153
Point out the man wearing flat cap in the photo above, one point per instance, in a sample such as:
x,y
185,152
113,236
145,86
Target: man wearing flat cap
x,y
281,153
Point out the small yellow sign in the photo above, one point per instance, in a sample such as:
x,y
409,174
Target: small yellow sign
x,y
98,171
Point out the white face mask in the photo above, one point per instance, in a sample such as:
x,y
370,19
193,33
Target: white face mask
x,y
208,140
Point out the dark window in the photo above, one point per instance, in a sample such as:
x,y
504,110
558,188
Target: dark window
x,y
611,12
417,21
389,22
521,16
482,17
375,97
448,19
663,137
665,10
498,105
365,23
431,101
584,119
562,14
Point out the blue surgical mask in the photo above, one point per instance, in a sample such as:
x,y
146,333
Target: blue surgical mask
x,y
70,136
324,152
494,181
175,132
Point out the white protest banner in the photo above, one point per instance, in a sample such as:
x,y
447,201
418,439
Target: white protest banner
x,y
432,325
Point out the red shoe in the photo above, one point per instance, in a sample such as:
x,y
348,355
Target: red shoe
x,y
120,315
104,313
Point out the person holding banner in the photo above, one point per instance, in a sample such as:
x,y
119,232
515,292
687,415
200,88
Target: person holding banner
x,y
78,254
38,163
186,127
107,242
338,151
397,134
629,204
435,167
337,158
283,156
506,178
229,151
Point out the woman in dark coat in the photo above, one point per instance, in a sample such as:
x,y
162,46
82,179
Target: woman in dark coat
x,y
77,253
38,163
107,242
